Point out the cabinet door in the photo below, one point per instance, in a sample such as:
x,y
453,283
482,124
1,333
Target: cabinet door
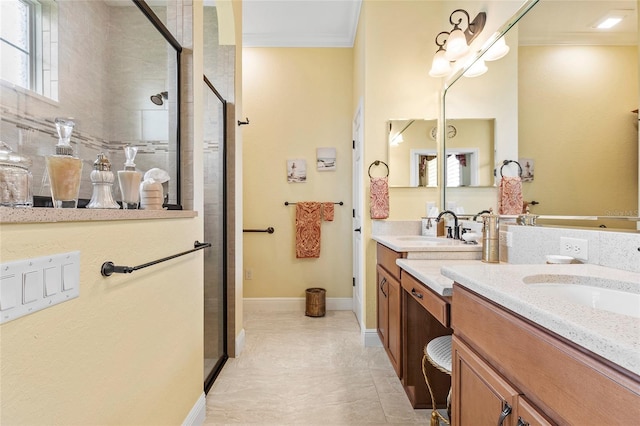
x,y
394,331
479,396
528,415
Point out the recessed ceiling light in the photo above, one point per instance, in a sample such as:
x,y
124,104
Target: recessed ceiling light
x,y
612,18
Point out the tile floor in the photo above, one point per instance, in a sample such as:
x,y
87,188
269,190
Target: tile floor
x,y
297,370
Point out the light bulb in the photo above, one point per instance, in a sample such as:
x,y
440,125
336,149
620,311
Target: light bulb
x,y
478,68
456,45
440,66
498,50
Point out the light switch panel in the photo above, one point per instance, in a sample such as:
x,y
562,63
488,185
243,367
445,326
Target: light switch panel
x,y
30,285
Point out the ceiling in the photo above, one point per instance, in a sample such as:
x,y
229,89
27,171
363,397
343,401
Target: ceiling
x,y
333,23
299,23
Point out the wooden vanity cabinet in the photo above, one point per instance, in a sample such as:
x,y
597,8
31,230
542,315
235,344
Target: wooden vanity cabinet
x,y
389,317
389,305
409,315
501,358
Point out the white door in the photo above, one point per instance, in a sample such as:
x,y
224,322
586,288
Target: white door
x,y
358,293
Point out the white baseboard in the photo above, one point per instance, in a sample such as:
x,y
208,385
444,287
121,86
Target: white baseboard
x,y
198,412
371,338
239,343
293,304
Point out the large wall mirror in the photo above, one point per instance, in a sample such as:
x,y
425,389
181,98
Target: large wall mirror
x,y
112,66
572,120
413,156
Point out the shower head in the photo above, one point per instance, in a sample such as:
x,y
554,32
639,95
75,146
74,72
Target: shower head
x,y
158,99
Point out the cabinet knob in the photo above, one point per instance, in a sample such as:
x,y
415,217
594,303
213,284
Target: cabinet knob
x,y
522,422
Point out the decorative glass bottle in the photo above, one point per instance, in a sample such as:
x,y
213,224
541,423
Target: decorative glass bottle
x,y
15,179
102,178
129,180
64,168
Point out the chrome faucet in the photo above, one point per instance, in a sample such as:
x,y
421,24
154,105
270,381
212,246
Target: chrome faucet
x,y
481,213
456,229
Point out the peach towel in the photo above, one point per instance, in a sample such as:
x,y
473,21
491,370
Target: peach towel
x,y
379,202
308,217
328,211
510,195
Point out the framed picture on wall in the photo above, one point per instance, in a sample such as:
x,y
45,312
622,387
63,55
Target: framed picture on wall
x,y
296,171
527,169
326,159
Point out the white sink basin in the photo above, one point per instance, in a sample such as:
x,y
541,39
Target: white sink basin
x,y
597,293
428,241
418,238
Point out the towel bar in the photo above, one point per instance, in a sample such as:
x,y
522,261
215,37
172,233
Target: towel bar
x,y
286,203
109,268
269,230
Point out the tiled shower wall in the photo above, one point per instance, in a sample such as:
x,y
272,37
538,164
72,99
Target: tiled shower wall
x,y
99,50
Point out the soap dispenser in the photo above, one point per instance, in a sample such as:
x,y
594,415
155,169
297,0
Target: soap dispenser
x,y
64,168
490,238
129,180
102,179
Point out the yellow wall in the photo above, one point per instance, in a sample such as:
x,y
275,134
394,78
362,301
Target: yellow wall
x,y
128,350
297,100
605,161
395,42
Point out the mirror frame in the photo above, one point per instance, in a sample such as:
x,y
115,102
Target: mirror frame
x,y
164,31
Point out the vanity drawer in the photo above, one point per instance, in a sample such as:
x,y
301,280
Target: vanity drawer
x,y
436,305
387,259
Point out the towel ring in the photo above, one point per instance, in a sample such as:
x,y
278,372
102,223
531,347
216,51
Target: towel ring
x,y
377,163
505,162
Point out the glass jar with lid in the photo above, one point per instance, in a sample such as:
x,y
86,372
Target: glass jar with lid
x,y
15,179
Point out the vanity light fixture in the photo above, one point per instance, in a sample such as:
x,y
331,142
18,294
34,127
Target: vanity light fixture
x,y
440,66
456,44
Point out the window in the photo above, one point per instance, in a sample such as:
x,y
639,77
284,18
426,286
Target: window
x,y
28,45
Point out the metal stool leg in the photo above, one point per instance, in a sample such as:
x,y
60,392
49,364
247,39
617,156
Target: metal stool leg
x,y
435,415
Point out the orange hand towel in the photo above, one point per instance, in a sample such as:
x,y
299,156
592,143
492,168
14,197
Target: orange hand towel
x,y
308,217
328,211
379,201
510,195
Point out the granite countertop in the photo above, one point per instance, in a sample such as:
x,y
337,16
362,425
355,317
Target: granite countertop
x,y
413,245
428,272
613,336
45,214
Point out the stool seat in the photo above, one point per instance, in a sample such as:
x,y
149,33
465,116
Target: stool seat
x,y
438,352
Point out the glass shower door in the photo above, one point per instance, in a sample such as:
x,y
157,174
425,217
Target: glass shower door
x,y
215,260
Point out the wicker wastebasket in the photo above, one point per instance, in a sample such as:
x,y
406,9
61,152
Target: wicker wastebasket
x,y
315,302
